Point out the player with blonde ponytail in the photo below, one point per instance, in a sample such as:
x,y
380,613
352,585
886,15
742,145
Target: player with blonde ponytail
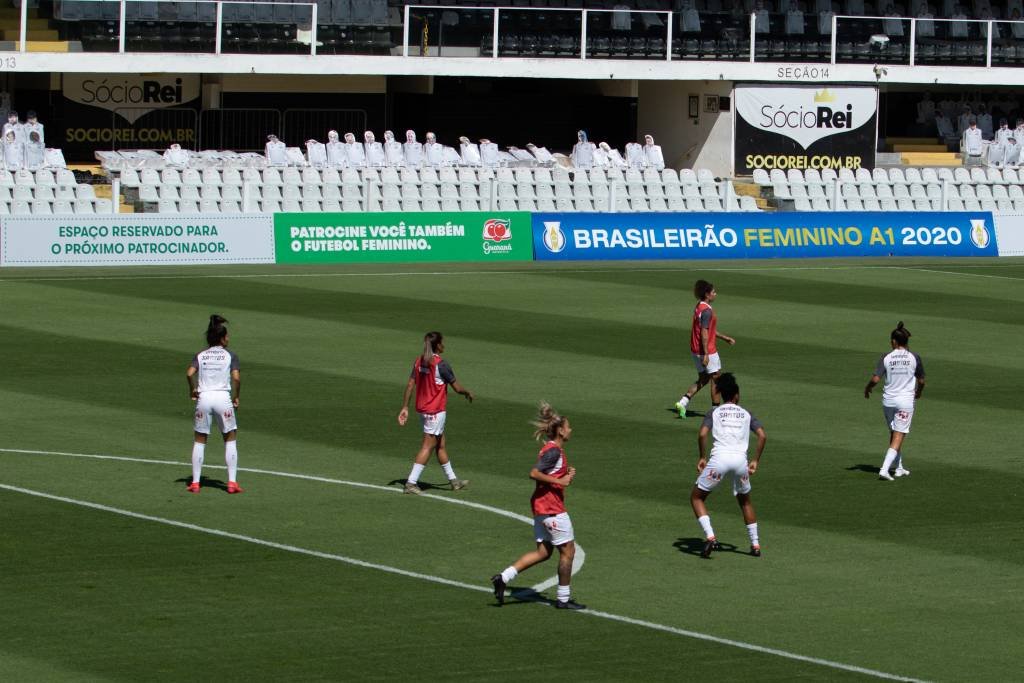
x,y
551,524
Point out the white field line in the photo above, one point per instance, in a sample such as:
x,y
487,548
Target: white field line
x,y
953,272
577,563
524,271
424,577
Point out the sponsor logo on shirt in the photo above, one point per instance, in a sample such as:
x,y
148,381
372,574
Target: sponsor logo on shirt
x,y
554,238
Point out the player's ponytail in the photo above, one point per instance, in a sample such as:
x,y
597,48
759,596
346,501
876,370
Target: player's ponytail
x,y
547,423
900,335
215,334
216,320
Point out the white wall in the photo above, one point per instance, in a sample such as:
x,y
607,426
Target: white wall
x,y
703,142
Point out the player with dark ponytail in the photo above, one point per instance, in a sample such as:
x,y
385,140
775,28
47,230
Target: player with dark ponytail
x,y
214,384
903,371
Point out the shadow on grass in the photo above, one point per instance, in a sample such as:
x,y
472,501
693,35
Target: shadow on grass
x,y
524,596
694,546
689,413
204,482
424,485
870,469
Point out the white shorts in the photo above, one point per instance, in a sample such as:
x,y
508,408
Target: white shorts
x,y
714,363
898,419
433,423
553,529
721,465
217,404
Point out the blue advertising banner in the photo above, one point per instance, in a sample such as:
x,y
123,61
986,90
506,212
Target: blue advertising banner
x,y
640,236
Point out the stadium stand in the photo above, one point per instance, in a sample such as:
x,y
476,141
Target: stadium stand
x,y
783,30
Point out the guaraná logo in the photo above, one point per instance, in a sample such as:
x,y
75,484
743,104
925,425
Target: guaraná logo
x,y
554,238
497,230
979,233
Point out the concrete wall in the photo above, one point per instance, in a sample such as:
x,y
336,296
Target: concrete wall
x,y
701,142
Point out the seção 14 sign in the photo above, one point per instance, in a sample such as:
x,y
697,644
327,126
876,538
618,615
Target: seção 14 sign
x,y
402,237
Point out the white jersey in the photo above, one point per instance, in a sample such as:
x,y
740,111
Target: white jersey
x,y
215,365
730,427
901,369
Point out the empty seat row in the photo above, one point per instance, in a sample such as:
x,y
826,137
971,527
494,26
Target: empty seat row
x,y
876,204
62,177
882,176
43,207
48,192
901,191
328,176
450,204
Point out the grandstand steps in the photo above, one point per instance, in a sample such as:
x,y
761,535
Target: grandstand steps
x,y
38,46
931,159
751,189
34,34
934,147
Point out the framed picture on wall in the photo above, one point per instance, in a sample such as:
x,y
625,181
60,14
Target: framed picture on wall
x,y
711,104
694,109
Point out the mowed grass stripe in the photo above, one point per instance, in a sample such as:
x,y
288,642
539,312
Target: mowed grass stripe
x,y
447,582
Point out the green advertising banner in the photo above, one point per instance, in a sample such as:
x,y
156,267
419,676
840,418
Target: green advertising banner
x,y
402,237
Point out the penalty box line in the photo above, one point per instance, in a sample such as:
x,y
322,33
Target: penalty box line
x,y
432,578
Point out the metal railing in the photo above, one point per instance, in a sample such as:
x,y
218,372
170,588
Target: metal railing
x,y
650,27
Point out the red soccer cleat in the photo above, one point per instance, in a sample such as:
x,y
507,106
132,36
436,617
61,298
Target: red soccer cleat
x,y
193,487
233,487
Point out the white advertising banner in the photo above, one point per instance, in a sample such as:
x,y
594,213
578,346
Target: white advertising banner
x,y
136,240
804,127
1010,234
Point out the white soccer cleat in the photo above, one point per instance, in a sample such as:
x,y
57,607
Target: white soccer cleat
x,y
885,476
900,472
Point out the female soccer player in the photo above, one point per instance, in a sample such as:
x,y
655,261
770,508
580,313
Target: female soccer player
x,y
431,376
904,383
551,523
214,383
703,345
730,426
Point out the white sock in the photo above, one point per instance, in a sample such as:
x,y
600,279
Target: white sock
x,y
563,593
231,458
417,470
752,532
509,575
705,524
685,400
198,451
448,471
890,455
899,461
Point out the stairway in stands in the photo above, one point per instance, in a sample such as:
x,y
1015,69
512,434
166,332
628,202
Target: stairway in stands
x,y
922,152
41,38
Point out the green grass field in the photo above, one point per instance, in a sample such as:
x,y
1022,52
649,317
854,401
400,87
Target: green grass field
x,y
918,578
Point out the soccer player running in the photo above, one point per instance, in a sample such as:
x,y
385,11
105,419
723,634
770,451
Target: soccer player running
x,y
551,524
730,426
214,384
430,377
904,383
704,336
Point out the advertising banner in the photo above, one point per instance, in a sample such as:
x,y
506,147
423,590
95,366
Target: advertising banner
x,y
639,236
402,237
135,240
124,111
804,127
